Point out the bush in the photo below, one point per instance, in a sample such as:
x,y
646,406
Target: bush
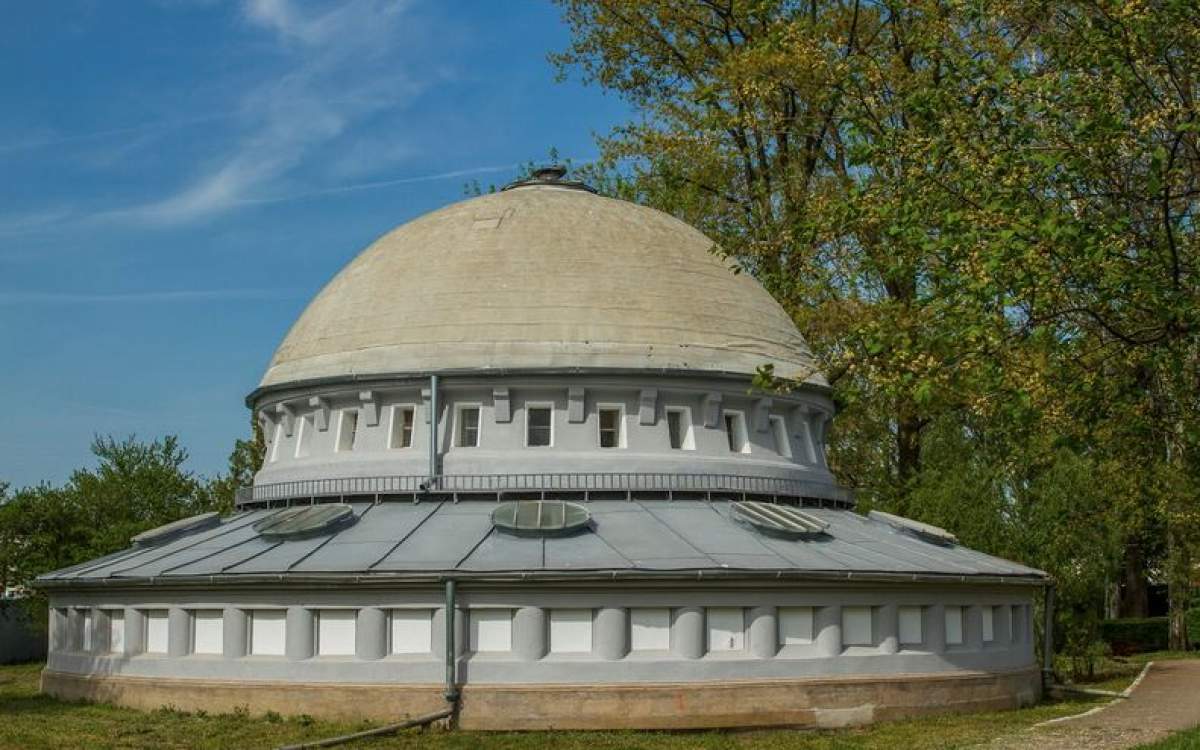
x,y
1193,627
1135,635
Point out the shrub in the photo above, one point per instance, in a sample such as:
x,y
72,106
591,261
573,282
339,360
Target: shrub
x,y
1135,635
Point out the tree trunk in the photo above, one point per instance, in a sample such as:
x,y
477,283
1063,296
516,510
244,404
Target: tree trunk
x,y
1179,582
908,455
1135,594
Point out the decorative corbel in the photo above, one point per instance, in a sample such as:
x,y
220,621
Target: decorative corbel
x,y
710,408
501,406
370,406
762,413
575,401
322,411
648,406
288,415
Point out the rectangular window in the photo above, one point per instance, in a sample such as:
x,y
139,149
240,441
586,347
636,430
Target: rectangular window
x,y
1008,619
911,626
412,631
491,630
539,426
276,439
954,626
570,631
726,629
679,428
268,628
468,427
304,437
156,631
116,631
795,626
347,429
989,624
208,631
735,432
856,626
610,427
87,630
649,629
402,427
336,632
783,442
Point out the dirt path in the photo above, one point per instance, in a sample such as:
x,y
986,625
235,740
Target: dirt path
x,y
1166,701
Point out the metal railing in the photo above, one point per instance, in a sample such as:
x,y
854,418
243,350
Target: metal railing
x,y
540,483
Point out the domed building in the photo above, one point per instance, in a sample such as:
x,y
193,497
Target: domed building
x,y
516,465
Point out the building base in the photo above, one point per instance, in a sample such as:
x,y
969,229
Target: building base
x,y
815,703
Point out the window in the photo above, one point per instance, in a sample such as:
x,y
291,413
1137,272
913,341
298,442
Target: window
x,y
412,631
911,626
783,443
267,630
156,631
402,427
989,624
570,631
539,426
1007,615
954,626
335,632
795,626
275,441
726,629
208,632
491,630
304,437
116,631
610,426
856,626
649,629
87,630
347,429
679,428
468,427
735,432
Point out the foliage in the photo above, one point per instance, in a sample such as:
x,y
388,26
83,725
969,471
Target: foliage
x,y
1135,635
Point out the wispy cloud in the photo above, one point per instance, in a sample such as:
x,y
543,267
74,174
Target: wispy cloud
x,y
345,68
147,128
159,296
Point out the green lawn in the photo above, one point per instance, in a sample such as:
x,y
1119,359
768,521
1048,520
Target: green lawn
x,y
1115,673
30,720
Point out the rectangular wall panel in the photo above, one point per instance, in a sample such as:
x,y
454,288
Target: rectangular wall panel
x,y
88,630
954,626
795,626
989,624
412,631
156,631
650,629
336,632
116,631
208,632
911,626
726,629
570,631
491,629
856,626
268,628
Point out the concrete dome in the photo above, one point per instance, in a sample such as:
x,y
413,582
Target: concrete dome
x,y
542,276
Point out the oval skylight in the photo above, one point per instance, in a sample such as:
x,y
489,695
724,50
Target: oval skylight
x,y
778,520
169,531
305,520
928,532
540,517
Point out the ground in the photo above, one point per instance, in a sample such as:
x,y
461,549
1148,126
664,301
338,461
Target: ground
x,y
30,720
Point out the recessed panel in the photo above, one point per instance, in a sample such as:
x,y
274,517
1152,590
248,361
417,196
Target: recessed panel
x,y
795,626
208,632
726,629
649,629
570,631
412,631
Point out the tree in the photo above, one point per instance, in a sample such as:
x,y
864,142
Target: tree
x,y
245,460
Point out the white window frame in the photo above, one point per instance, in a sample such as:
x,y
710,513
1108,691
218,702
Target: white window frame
x,y
779,431
256,614
458,423
858,625
739,635
571,630
549,405
423,618
988,613
954,615
741,434
688,439
276,439
907,617
116,643
323,649
150,617
802,620
302,431
89,629
649,629
476,616
198,615
396,410
338,446
620,410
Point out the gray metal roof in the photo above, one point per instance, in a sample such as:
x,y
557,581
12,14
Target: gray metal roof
x,y
655,537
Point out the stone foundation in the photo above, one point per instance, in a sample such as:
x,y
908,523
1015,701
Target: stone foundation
x,y
815,703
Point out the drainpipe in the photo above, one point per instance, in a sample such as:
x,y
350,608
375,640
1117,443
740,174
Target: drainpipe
x,y
434,469
452,693
1048,637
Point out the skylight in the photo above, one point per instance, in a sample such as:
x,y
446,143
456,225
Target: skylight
x,y
927,532
291,523
163,533
778,520
540,517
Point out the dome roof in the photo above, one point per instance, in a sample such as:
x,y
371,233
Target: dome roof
x,y
541,276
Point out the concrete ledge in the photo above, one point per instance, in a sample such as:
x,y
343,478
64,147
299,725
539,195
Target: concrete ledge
x,y
822,703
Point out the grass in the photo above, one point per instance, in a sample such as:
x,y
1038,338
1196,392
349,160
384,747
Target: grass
x,y
31,720
1186,740
1116,672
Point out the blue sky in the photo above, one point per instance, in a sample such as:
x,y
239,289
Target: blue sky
x,y
180,177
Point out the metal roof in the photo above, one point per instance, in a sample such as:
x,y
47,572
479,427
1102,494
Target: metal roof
x,y
653,537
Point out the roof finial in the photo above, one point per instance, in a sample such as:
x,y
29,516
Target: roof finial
x,y
549,174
